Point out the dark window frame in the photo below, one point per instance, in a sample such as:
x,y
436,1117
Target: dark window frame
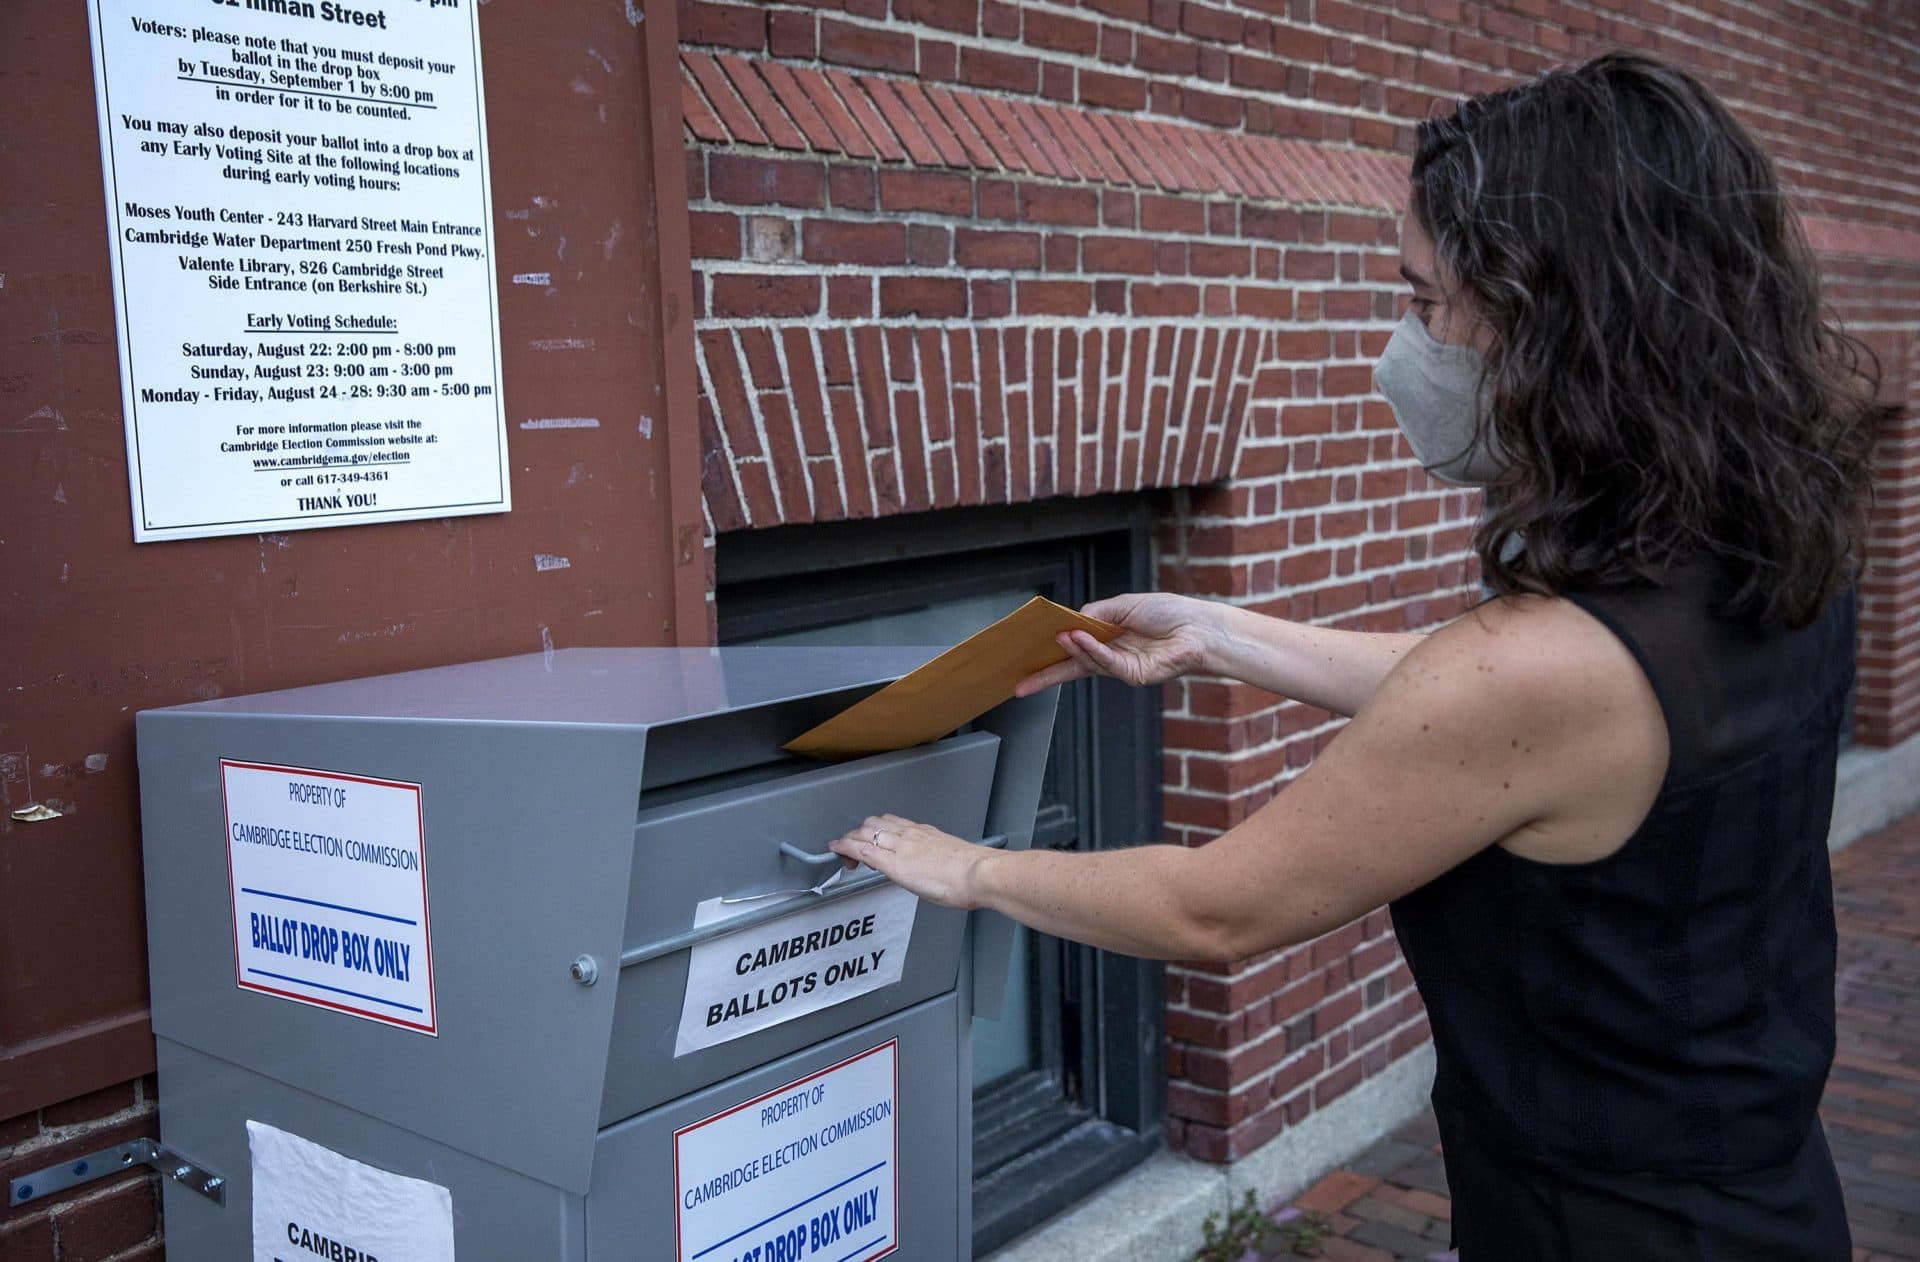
x,y
1043,1138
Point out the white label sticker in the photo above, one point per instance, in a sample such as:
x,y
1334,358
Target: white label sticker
x,y
808,1171
311,1202
301,230
329,880
755,979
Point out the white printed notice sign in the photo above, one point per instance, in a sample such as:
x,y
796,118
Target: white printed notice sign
x,y
302,245
329,880
311,1202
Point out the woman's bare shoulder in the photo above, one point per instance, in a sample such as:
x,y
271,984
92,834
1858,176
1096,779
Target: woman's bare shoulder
x,y
1560,670
1548,642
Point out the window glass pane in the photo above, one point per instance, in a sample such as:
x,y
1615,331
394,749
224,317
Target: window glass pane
x,y
948,622
1007,1046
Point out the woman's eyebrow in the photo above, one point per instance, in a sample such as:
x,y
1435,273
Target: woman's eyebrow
x,y
1413,277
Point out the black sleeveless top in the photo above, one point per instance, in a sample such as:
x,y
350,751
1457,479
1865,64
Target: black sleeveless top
x,y
1668,1008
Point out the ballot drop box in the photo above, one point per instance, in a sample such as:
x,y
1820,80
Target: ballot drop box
x,y
545,959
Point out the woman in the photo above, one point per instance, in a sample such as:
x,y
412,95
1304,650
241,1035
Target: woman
x,y
1598,802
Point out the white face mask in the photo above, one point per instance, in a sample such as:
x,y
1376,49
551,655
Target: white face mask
x,y
1439,398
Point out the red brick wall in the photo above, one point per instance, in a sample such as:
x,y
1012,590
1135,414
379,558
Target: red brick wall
x,y
1873,280
114,1220
963,251
1887,706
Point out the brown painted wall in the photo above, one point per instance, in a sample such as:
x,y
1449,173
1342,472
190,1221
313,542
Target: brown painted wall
x,y
96,628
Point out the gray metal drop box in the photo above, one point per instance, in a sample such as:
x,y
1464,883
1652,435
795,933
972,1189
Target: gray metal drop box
x,y
543,932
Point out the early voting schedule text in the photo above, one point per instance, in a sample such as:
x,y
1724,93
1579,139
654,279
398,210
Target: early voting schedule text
x,y
301,231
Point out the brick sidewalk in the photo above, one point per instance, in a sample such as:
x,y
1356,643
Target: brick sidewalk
x,y
1390,1203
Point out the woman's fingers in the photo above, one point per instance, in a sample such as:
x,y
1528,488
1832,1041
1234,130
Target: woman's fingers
x,y
1103,657
874,840
858,847
1086,656
917,857
1128,664
1112,609
1077,666
1071,642
1041,680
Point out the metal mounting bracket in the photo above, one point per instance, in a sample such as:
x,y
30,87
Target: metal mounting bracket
x,y
41,1184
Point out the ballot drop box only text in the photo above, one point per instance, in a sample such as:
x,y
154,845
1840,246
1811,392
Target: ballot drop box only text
x,y
467,962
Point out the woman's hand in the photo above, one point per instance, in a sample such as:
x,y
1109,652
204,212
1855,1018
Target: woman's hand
x,y
937,866
1166,636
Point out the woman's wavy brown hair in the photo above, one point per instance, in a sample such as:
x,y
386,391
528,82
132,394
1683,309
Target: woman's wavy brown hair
x,y
1662,373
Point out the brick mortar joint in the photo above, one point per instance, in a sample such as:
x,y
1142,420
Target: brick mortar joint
x,y
1364,1012
1093,321
1320,1042
959,271
839,216
1272,959
50,1136
1435,565
1231,757
848,161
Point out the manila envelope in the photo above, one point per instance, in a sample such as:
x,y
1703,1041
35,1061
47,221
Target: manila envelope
x,y
954,688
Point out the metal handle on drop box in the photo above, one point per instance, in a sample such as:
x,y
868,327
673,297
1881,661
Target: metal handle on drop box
x,y
760,915
792,851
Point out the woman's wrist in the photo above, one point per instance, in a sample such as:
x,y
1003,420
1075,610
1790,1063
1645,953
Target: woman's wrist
x,y
978,890
1218,639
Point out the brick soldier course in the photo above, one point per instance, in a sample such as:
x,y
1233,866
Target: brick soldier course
x,y
1391,1202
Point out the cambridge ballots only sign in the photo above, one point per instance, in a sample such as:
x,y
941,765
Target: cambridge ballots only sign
x,y
768,974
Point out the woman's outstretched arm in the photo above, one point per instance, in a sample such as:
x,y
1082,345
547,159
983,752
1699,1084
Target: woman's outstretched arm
x,y
1335,670
1494,723
1168,636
